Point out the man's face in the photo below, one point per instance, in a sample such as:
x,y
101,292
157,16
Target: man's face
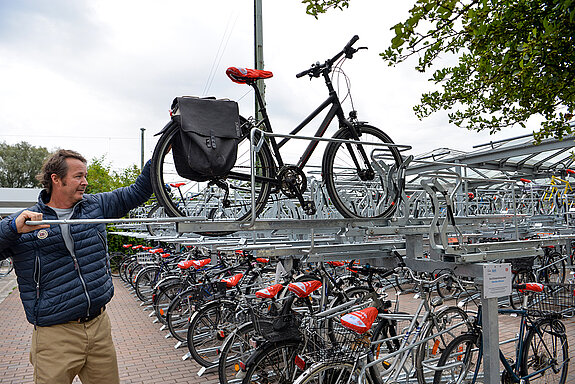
x,y
71,187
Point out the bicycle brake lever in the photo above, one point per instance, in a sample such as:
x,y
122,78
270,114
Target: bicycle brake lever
x,y
352,51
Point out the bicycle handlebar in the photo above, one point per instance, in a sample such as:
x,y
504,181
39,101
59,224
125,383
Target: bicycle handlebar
x,y
315,69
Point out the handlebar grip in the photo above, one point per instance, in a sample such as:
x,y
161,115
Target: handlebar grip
x,y
303,73
352,41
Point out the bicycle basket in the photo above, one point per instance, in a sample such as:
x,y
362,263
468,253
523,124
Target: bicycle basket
x,y
274,326
556,299
145,258
336,343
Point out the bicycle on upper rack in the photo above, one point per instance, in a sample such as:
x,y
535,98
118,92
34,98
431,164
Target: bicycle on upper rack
x,y
361,167
541,353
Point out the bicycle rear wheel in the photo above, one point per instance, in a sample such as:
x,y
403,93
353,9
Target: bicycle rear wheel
x,y
546,353
183,197
354,190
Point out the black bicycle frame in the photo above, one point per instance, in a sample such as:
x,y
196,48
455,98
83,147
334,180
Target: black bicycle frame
x,y
523,328
336,110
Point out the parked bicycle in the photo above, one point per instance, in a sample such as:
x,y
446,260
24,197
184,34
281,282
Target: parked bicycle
x,y
542,353
360,167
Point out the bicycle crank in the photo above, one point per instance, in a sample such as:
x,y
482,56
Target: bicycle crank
x,y
293,184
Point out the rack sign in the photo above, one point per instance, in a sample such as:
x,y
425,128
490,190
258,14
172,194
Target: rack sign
x,y
496,280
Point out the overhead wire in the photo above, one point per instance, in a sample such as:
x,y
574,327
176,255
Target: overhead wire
x,y
230,26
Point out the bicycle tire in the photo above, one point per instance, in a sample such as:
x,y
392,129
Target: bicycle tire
x,y
114,262
385,329
521,276
159,229
133,273
145,281
462,356
236,347
178,315
546,343
446,288
361,195
209,327
553,269
330,373
273,360
430,350
208,197
163,299
123,266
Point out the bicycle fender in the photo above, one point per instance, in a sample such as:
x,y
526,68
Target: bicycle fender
x,y
166,128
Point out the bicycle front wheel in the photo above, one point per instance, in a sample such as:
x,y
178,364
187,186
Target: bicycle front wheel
x,y
236,348
545,358
357,189
459,361
145,282
226,198
330,373
209,327
274,363
441,328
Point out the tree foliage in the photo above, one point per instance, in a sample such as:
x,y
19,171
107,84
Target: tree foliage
x,y
514,60
19,165
315,7
101,177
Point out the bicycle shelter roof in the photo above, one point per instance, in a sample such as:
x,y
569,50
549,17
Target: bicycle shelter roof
x,y
511,159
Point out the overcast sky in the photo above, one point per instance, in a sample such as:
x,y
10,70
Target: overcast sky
x,y
87,75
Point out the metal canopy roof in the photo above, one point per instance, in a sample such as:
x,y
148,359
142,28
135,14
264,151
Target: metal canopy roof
x,y
513,159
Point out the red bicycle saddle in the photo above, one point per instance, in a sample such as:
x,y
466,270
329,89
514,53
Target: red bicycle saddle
x,y
360,321
303,289
269,292
197,264
232,281
243,75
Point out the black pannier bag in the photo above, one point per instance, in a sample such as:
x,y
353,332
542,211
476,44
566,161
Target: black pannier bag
x,y
206,146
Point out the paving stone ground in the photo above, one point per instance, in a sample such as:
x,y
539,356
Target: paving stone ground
x,y
144,354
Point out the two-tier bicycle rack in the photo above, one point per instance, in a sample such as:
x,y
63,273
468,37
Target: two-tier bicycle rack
x,y
430,229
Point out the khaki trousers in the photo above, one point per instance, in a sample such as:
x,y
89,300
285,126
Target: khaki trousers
x,y
61,352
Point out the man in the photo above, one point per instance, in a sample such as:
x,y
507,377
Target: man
x,y
63,271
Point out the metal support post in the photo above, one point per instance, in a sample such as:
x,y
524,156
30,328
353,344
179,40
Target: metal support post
x,y
490,340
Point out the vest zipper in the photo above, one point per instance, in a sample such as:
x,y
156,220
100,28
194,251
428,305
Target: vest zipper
x,y
77,268
37,281
77,265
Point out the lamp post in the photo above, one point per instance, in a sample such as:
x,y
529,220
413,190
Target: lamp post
x,y
142,149
259,50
